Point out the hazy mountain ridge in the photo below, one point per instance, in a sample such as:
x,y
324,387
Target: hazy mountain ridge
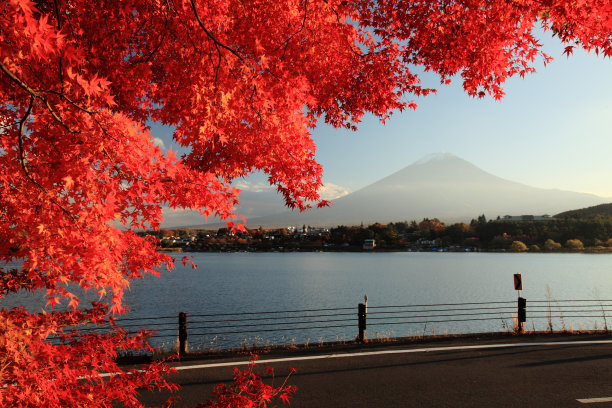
x,y
442,186
602,209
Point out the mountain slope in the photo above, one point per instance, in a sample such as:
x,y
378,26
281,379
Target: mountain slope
x,y
602,209
442,186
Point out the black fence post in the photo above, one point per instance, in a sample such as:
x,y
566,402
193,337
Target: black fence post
x,y
521,313
182,317
361,314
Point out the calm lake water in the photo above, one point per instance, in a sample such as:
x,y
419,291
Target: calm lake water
x,y
259,282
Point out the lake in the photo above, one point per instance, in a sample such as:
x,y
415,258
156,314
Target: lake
x,y
232,283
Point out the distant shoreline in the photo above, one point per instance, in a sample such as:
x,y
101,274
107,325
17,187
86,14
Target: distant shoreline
x,y
173,250
591,234
359,250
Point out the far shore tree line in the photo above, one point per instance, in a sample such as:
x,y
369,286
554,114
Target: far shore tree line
x,y
592,233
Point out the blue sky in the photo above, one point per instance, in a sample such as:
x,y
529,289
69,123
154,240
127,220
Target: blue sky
x,y
553,129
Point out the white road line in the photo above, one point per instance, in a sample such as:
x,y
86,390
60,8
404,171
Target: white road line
x,y
400,351
383,352
594,400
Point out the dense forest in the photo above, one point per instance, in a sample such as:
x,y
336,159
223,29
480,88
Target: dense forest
x,y
571,233
601,209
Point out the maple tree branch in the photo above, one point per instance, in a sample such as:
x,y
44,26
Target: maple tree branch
x,y
267,140
20,142
37,95
60,57
57,15
57,117
107,154
334,10
217,72
297,32
217,47
171,5
209,34
161,41
70,101
115,165
217,65
23,161
17,80
142,26
104,130
280,160
357,53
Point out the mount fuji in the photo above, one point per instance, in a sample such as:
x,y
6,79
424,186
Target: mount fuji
x,y
443,186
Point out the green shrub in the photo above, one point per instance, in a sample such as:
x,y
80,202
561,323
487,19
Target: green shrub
x,y
518,246
574,244
551,245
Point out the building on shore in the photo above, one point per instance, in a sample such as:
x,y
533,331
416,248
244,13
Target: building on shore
x,y
369,244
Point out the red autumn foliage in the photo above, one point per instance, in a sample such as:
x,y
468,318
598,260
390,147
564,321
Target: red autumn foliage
x,y
242,82
248,390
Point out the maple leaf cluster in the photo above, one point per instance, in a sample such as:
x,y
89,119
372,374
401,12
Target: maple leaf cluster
x,y
72,371
248,390
242,83
485,42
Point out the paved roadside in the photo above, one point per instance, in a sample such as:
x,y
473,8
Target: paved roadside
x,y
530,371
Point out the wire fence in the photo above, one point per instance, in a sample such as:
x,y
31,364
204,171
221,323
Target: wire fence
x,y
572,314
198,332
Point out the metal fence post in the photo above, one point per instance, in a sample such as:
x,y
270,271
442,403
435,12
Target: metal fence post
x,y
361,314
182,317
521,313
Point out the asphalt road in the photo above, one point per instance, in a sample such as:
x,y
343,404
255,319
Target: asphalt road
x,y
537,373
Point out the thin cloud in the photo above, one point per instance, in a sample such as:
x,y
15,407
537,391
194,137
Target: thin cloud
x,y
159,143
255,187
331,191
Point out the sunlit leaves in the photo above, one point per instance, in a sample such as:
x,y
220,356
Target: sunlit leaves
x,y
243,83
248,390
